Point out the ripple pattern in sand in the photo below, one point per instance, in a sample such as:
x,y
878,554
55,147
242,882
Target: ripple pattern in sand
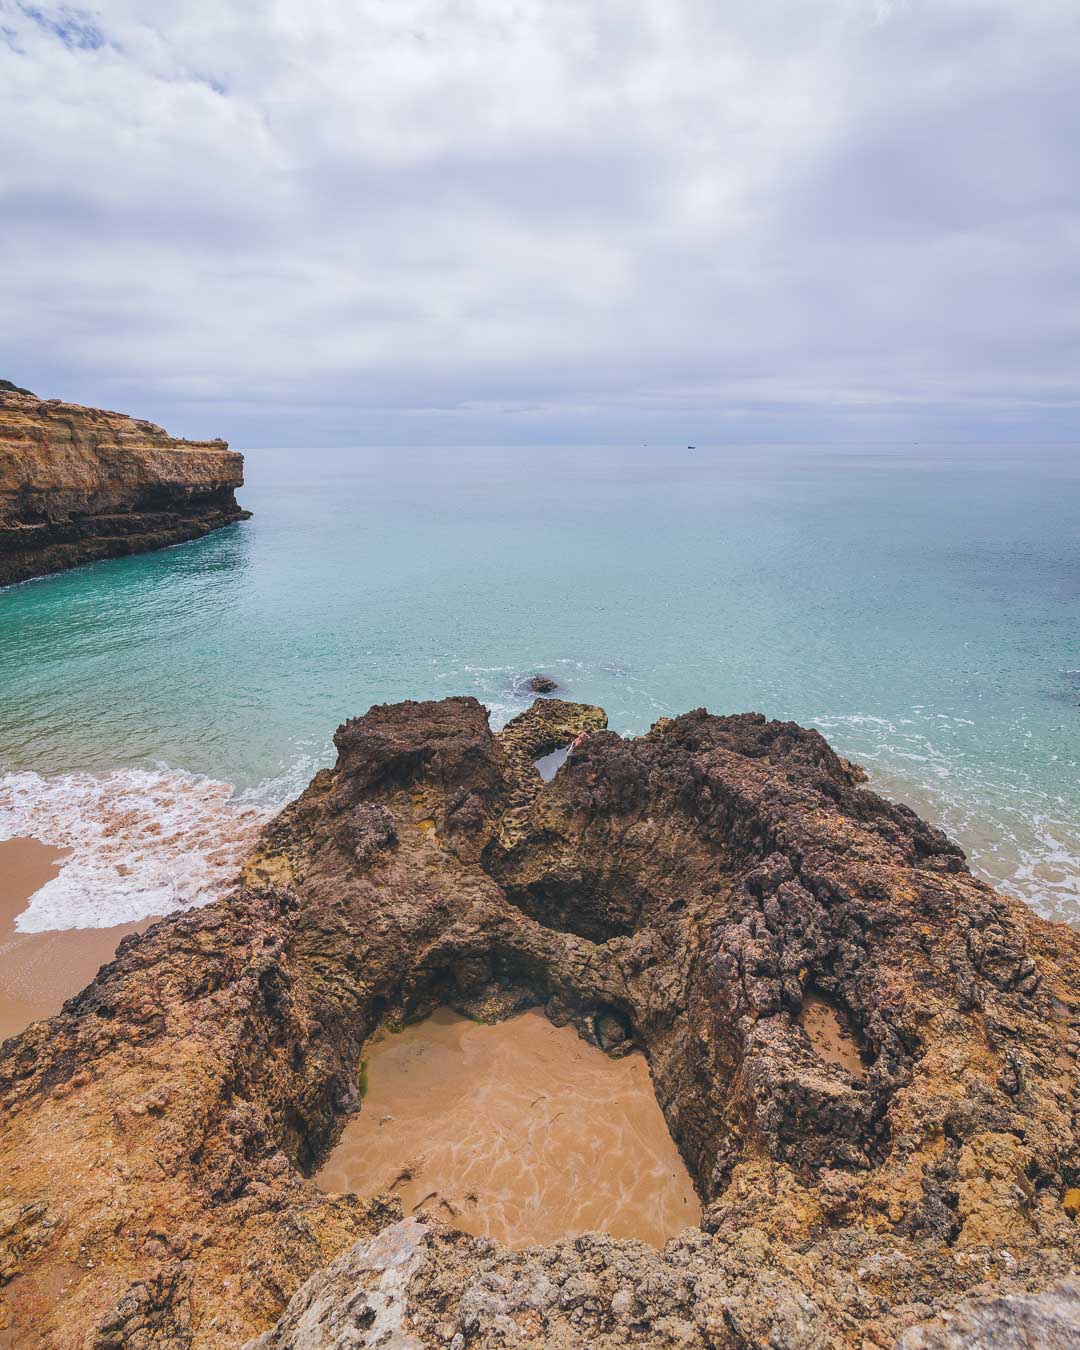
x,y
521,1132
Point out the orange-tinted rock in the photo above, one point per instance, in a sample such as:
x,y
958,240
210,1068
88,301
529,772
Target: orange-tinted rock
x,y
684,893
78,484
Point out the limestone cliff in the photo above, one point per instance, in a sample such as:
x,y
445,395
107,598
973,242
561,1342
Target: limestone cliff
x,y
692,892
78,484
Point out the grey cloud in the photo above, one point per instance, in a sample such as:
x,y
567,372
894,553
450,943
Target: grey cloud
x,y
579,221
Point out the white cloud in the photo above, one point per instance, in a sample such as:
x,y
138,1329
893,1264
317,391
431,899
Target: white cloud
x,y
397,218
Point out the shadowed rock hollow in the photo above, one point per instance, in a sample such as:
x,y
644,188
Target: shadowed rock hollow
x,y
696,893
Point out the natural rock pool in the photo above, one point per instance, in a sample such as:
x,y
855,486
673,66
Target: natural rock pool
x,y
519,1131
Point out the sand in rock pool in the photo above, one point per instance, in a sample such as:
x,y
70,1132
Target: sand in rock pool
x,y
830,1035
38,971
519,1131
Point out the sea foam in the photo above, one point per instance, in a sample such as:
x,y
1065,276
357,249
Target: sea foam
x,y
1017,836
143,842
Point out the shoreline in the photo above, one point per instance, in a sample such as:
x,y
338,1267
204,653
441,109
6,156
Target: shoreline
x,y
680,897
39,971
145,813
1045,880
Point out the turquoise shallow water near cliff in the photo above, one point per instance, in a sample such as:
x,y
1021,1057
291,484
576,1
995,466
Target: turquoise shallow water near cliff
x,y
920,605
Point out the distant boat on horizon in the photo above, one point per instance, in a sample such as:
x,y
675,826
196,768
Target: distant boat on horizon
x,y
691,447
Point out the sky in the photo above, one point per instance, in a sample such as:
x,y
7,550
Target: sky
x,y
338,222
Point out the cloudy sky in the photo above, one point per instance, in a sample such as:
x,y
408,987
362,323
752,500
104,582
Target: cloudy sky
x,y
296,222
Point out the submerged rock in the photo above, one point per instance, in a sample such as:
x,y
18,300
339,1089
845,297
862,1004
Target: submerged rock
x,y
689,893
78,484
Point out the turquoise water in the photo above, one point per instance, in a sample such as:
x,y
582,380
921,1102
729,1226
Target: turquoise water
x,y
920,605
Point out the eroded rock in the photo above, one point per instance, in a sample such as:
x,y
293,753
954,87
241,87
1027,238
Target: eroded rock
x,y
359,1299
685,893
1050,1320
78,484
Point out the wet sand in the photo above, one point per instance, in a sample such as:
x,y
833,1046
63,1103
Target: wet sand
x,y
830,1034
521,1132
38,971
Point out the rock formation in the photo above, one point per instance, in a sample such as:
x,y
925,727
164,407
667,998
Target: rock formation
x,y
78,484
1049,1321
688,892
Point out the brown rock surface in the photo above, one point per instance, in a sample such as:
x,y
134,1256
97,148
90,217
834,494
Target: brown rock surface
x,y
686,892
78,484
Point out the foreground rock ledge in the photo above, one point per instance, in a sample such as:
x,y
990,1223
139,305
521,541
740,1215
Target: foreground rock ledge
x,y
78,484
687,893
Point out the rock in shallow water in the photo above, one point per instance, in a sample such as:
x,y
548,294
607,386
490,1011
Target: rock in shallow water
x,y
694,887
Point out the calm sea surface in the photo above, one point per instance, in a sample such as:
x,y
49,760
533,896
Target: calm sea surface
x,y
919,605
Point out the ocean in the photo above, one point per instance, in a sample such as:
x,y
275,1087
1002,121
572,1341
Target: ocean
x,y
918,604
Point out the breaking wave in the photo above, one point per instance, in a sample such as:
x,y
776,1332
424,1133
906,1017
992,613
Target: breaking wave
x,y
1018,836
143,842
146,842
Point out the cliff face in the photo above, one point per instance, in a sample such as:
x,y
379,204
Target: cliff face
x,y
698,893
78,484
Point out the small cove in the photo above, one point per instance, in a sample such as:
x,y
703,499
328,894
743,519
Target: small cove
x,y
520,1131
918,606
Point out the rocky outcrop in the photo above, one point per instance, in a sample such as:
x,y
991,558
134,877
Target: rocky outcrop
x,y
687,893
78,484
381,1288
1050,1321
359,1299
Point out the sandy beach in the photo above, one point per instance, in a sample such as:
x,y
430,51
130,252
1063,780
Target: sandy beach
x,y
38,971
